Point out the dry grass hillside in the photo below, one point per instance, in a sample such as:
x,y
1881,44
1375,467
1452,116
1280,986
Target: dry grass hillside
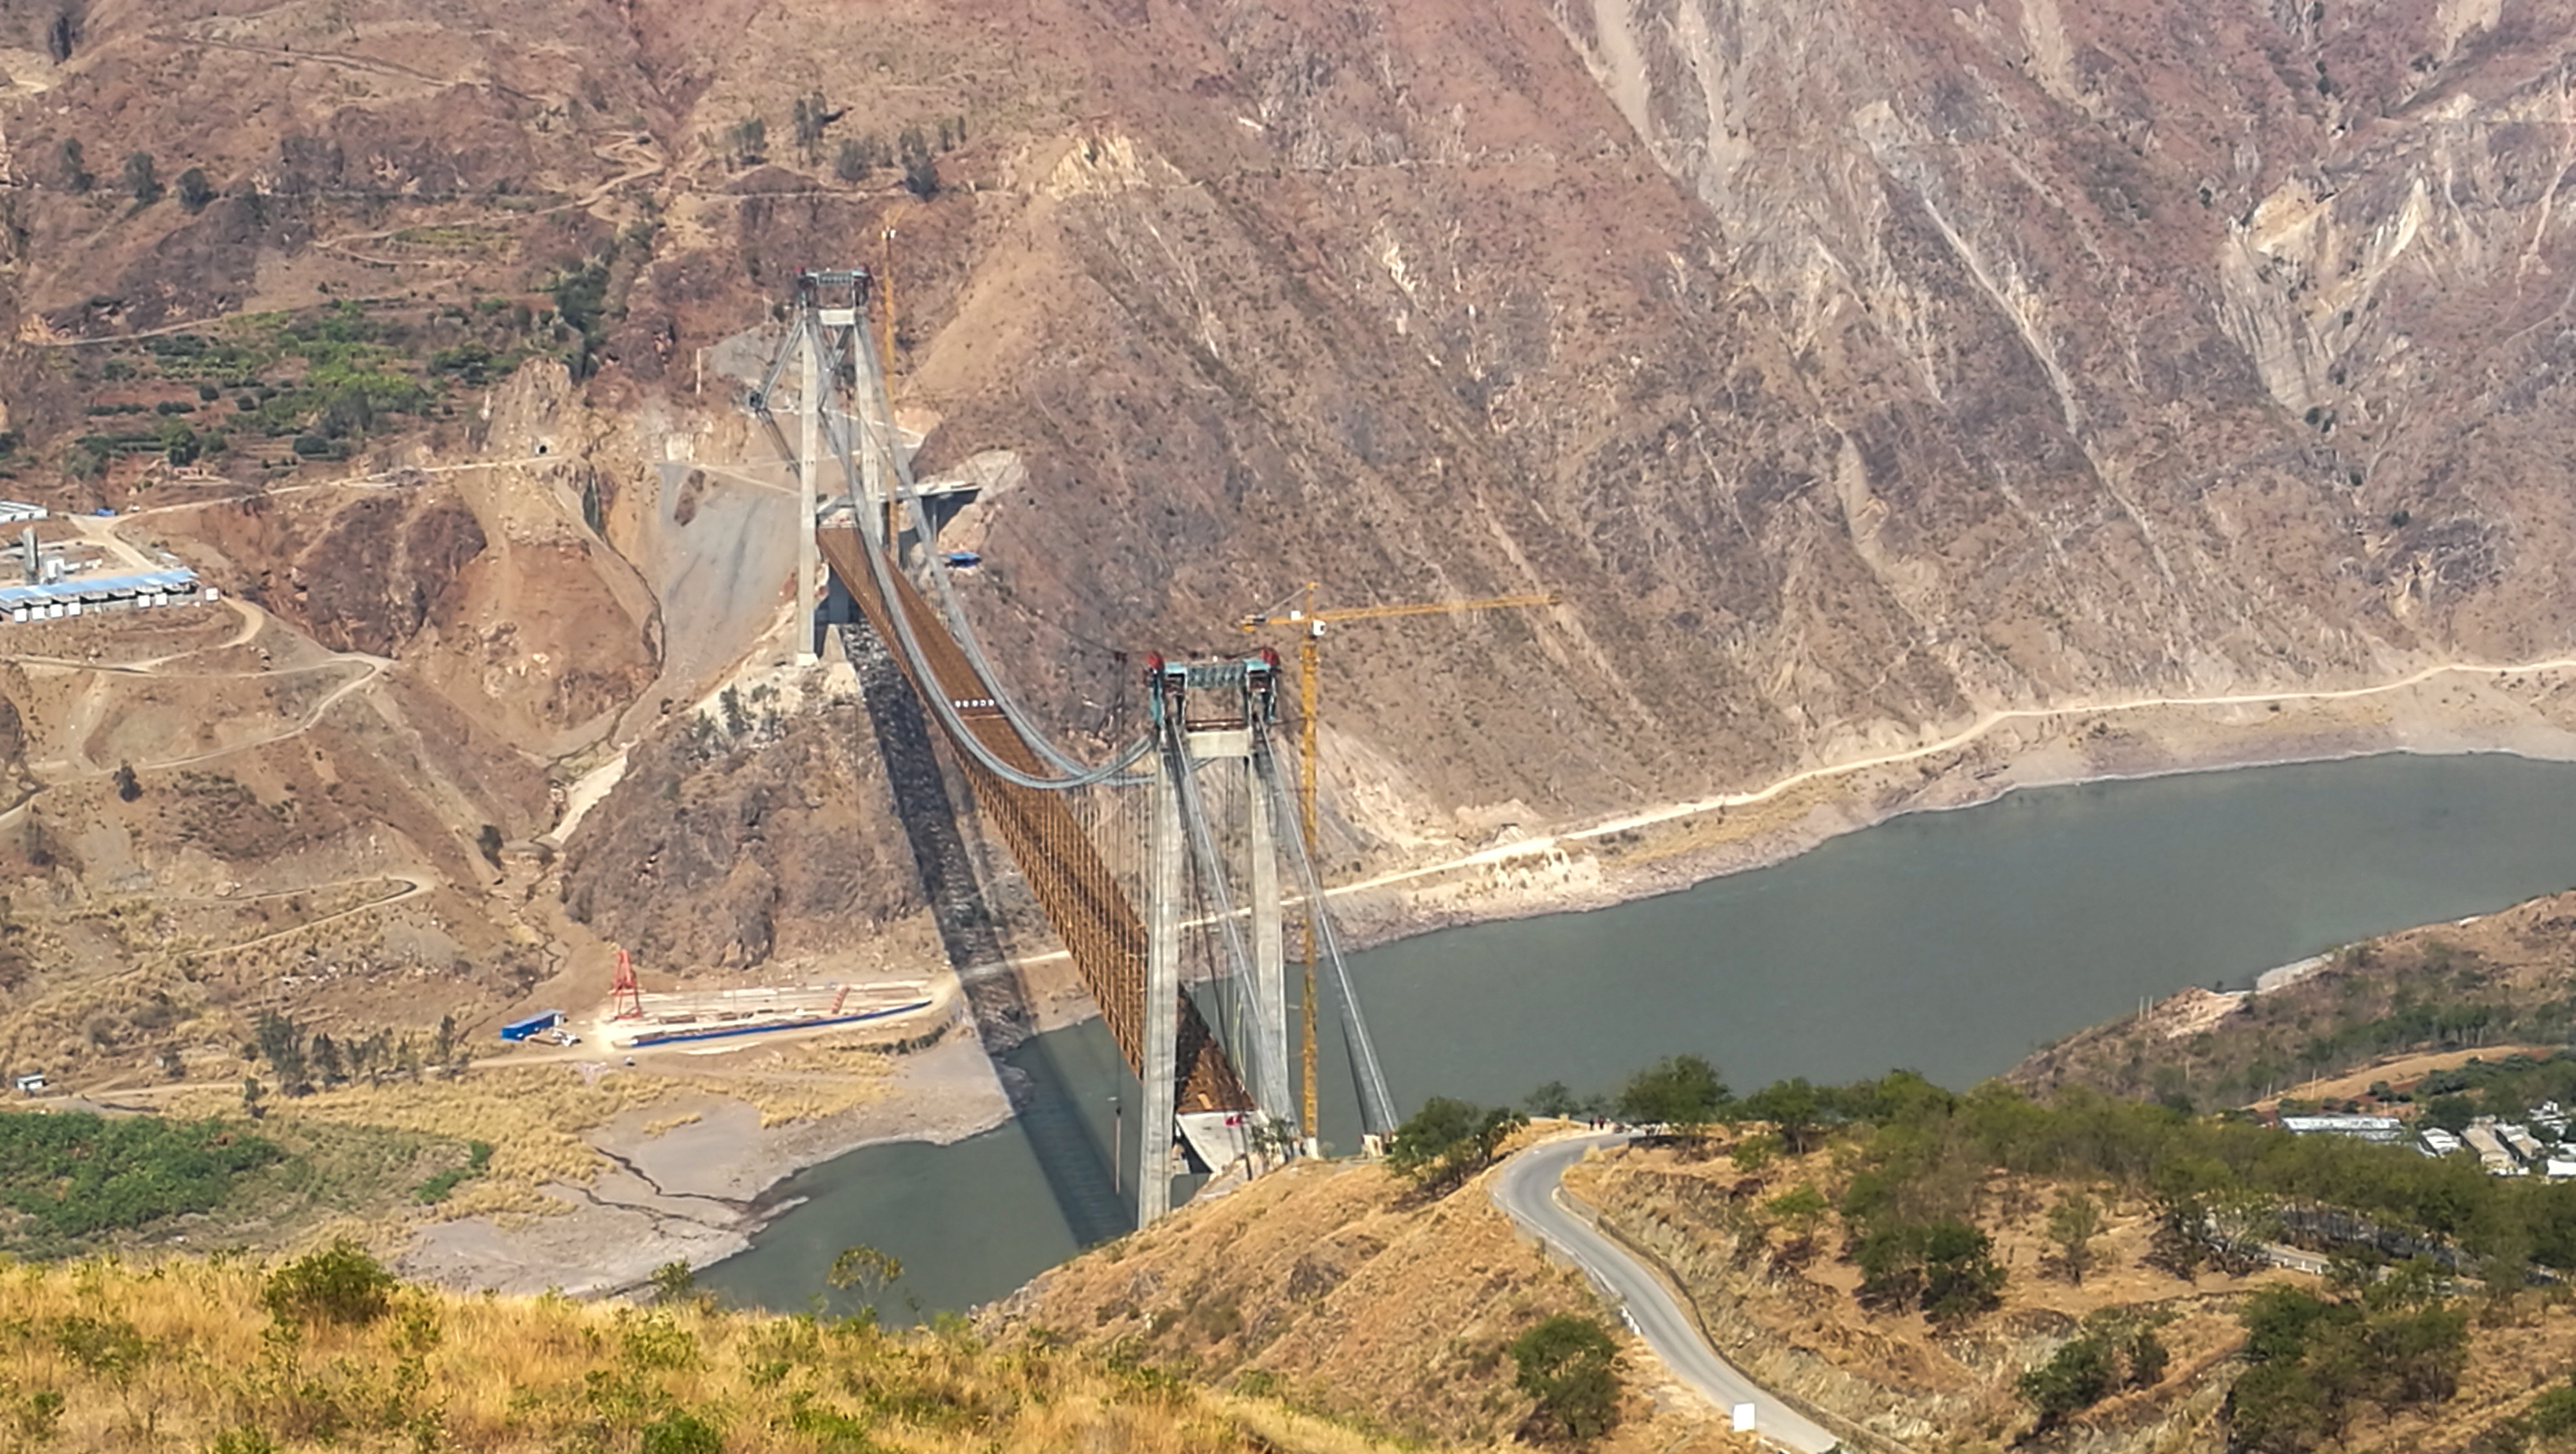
x,y
228,1356
1339,1290
1777,1297
1777,1294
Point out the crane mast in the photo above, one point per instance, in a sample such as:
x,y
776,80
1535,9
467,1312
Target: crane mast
x,y
1310,637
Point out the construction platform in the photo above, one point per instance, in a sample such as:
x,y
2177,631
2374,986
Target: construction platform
x,y
689,1016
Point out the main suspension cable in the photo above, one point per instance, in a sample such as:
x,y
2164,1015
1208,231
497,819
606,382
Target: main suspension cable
x,y
961,627
1074,774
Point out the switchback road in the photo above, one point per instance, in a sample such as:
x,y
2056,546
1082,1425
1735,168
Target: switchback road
x,y
1529,1192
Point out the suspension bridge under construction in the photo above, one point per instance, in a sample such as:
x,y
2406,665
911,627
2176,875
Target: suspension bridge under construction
x,y
1163,869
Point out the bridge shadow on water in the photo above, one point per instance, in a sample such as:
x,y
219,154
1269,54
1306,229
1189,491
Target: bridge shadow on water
x,y
1077,1173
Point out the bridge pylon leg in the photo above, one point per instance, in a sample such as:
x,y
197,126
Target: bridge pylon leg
x,y
809,464
1160,1124
1269,943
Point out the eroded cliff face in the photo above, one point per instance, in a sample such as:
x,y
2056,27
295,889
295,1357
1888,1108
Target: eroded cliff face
x,y
2253,287
708,852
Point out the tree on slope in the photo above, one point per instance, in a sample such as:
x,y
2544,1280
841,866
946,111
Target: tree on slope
x,y
1448,1141
1681,1091
2073,1224
1571,1366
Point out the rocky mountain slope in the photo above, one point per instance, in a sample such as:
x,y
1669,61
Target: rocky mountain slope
x,y
1852,371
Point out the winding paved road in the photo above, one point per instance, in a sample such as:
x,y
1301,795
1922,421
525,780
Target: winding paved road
x,y
1528,1192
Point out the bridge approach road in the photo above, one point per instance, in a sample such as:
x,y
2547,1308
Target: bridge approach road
x,y
1529,1190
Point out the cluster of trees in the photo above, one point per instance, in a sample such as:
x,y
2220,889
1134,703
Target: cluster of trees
x,y
745,144
75,1175
2320,1362
739,717
353,379
581,301
809,116
303,1062
2507,1088
2371,1001
2114,1350
1945,1269
1920,1158
142,178
916,151
1681,1091
1919,1155
1448,1141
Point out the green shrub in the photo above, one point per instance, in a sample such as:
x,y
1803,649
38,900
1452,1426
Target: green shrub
x,y
2082,1374
110,1347
1571,1366
2553,1414
436,1189
655,1340
41,1416
343,1283
681,1432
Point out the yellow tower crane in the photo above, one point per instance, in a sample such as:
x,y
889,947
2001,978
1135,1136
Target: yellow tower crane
x,y
1310,624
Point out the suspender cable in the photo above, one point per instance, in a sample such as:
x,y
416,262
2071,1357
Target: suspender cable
x,y
1270,1087
870,382
1377,1106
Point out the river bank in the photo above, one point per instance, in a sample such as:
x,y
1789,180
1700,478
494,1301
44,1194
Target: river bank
x,y
692,1177
2525,710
